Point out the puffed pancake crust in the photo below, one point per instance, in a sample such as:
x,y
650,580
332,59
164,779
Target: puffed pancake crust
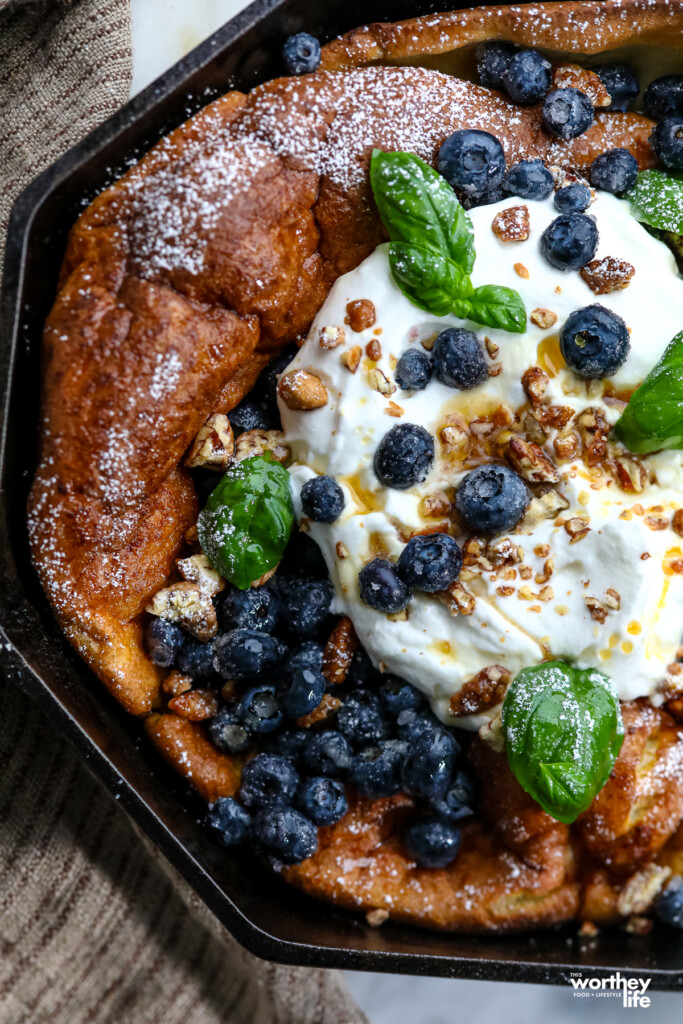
x,y
179,283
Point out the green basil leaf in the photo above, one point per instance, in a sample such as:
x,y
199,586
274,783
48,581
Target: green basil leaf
x,y
245,525
563,732
496,306
657,199
431,281
419,207
653,419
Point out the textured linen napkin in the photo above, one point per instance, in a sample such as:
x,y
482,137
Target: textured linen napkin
x,y
94,925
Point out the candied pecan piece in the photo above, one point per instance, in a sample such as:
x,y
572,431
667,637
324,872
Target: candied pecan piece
x,y
610,274
327,707
195,705
573,76
530,461
480,692
373,350
301,390
339,651
258,442
543,318
331,337
512,224
213,446
186,604
535,382
351,358
198,569
360,314
630,473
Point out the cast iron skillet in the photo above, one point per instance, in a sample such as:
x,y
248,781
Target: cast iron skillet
x,y
266,916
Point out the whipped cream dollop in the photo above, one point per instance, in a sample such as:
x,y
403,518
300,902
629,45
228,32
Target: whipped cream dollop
x,y
593,572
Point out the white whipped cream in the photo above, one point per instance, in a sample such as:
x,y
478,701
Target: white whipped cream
x,y
433,649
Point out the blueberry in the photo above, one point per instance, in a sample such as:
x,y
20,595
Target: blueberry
x,y
265,387
669,905
229,733
246,654
268,779
306,607
376,770
308,655
430,562
163,640
529,179
491,499
594,341
487,198
322,499
472,160
457,802
404,456
430,764
458,359
382,588
248,415
259,709
303,559
411,724
328,753
257,608
667,142
621,84
492,61
289,744
527,77
361,718
567,113
230,820
322,800
195,659
413,370
304,692
615,171
664,97
361,670
569,242
286,834
301,54
432,842
397,695
573,198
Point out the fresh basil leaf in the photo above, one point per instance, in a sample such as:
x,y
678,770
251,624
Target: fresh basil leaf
x,y
657,199
245,525
431,281
563,732
419,207
653,419
496,306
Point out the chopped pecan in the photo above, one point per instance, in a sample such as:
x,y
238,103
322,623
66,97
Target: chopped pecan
x,y
339,651
301,390
521,271
597,610
191,536
391,409
566,445
267,575
613,599
373,350
351,358
457,599
642,888
198,569
258,442
530,461
533,428
656,522
453,438
546,506
196,705
481,692
609,274
512,224
327,707
474,554
380,382
176,683
341,549
573,76
185,604
331,337
492,733
577,528
503,552
677,522
435,506
213,446
360,314
543,318
377,916
491,348
630,473
548,569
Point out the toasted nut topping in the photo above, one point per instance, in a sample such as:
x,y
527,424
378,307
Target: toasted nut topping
x,y
195,705
482,691
453,437
351,358
677,522
299,389
435,506
526,572
546,506
610,274
176,683
641,889
474,554
535,382
377,917
577,528
546,594
597,610
373,350
566,445
548,569
656,522
360,315
572,76
521,271
542,317
198,569
495,370
341,549
394,410
185,604
613,599
530,461
339,651
503,553
213,446
630,474
327,707
512,224
331,337
491,348
266,576
191,536
380,382
458,599
258,442
492,733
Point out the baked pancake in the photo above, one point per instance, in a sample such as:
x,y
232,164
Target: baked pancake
x,y
180,283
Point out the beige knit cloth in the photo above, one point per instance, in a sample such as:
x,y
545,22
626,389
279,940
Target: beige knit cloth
x,y
93,926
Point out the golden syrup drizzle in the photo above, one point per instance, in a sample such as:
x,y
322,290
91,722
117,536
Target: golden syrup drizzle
x,y
548,355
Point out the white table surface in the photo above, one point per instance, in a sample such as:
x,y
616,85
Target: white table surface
x,y
164,31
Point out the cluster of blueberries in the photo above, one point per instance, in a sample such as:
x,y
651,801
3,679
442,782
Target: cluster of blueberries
x,y
385,738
